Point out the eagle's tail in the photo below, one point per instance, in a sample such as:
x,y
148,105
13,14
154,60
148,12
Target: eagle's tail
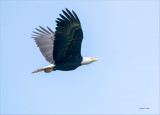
x,y
46,69
38,70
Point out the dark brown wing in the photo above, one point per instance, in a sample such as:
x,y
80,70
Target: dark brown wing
x,y
68,36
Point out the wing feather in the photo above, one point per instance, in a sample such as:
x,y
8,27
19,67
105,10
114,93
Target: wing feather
x,y
65,42
68,36
45,40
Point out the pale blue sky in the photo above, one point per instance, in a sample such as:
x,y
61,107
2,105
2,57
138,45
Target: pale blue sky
x,y
123,34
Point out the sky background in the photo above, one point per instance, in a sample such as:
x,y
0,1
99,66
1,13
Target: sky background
x,y
122,34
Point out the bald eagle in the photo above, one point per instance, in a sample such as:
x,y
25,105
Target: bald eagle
x,y
62,48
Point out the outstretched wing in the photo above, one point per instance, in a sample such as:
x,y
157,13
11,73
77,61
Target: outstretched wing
x,y
68,36
44,40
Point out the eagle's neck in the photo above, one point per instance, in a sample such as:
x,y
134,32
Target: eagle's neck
x,y
86,61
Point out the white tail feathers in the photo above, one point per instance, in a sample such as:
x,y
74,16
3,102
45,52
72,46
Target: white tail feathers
x,y
46,69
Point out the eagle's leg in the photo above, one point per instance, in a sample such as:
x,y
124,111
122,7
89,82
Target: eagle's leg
x,y
47,70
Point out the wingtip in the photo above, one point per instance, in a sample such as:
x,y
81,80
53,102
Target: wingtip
x,y
40,27
63,10
66,9
60,15
73,12
50,30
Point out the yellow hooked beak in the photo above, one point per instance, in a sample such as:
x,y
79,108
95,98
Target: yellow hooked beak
x,y
95,59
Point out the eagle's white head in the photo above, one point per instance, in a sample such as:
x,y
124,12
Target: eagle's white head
x,y
88,60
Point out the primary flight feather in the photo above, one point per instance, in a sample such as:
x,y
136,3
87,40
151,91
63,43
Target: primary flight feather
x,y
62,48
